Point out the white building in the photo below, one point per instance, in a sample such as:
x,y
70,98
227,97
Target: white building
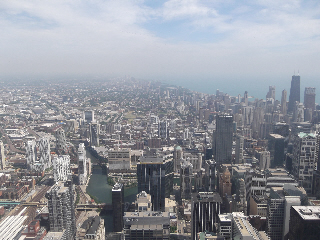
x,y
45,155
82,164
61,168
31,154
2,156
119,159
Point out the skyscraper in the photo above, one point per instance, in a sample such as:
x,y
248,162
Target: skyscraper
x,y
61,168
94,133
45,155
31,154
186,179
284,102
310,98
61,209
82,164
272,92
155,177
223,138
118,206
205,208
294,92
2,156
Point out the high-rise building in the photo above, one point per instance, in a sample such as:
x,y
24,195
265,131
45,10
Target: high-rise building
x,y
82,164
239,149
276,149
210,176
186,177
45,155
155,177
31,154
305,159
223,138
205,207
304,222
61,209
177,156
88,116
61,143
118,206
163,131
310,98
61,168
272,92
94,133
2,156
294,93
284,102
264,160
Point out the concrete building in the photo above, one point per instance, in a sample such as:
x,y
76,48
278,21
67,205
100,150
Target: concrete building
x,y
243,230
284,102
44,152
118,206
155,177
305,159
61,168
276,149
294,93
239,149
163,130
88,116
94,128
177,156
61,209
146,225
186,177
2,157
223,138
119,159
304,222
31,154
91,228
210,177
143,202
310,98
61,143
264,160
205,207
224,225
82,164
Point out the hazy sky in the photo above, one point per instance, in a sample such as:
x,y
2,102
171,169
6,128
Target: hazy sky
x,y
222,43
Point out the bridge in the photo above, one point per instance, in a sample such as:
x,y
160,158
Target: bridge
x,y
93,207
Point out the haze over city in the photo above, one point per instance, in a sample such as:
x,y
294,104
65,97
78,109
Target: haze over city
x,y
230,45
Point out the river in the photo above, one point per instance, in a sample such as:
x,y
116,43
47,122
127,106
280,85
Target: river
x,y
99,188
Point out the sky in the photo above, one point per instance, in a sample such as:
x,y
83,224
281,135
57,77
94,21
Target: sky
x,y
229,45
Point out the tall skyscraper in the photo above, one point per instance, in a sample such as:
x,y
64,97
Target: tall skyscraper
x,y
82,164
294,93
2,156
118,206
61,209
272,92
94,133
223,138
61,144
155,177
310,98
45,155
284,102
205,208
61,168
186,177
31,154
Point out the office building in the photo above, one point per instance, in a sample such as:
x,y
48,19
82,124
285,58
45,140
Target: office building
x,y
2,156
210,176
223,138
310,98
118,206
155,177
304,222
31,154
61,168
119,159
82,164
146,225
177,157
205,207
284,102
242,229
186,177
91,227
276,149
264,160
88,116
44,152
94,133
305,159
61,209
143,202
294,93
61,143
271,93
163,130
239,149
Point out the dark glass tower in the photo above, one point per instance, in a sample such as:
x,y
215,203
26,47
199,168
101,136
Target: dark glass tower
x,y
223,138
118,206
155,177
294,92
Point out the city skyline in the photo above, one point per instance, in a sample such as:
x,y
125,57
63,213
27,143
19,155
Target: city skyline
x,y
182,42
